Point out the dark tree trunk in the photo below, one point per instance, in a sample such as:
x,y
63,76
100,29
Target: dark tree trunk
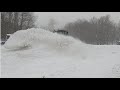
x,y
16,21
21,24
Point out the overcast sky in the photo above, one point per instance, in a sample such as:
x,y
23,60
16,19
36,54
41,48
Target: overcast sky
x,y
64,17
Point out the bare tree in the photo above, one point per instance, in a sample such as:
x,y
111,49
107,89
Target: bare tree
x,y
16,21
13,21
94,31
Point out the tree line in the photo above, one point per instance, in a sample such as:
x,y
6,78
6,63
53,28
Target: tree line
x,y
13,21
96,31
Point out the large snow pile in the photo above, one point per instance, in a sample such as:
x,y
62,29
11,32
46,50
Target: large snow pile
x,y
35,38
38,53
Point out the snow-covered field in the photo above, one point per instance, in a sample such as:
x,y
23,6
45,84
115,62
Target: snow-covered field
x,y
36,53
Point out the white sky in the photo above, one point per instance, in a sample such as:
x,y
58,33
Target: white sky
x,y
64,17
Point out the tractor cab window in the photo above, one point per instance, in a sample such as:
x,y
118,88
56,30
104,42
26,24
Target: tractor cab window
x,y
61,32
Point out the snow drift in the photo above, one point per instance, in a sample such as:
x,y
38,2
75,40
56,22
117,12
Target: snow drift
x,y
35,38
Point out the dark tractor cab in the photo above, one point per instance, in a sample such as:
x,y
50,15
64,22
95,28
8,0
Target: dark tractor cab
x,y
61,32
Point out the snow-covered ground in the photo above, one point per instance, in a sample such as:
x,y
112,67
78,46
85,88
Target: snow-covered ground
x,y
36,53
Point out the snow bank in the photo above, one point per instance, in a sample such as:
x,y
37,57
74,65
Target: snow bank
x,y
35,38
